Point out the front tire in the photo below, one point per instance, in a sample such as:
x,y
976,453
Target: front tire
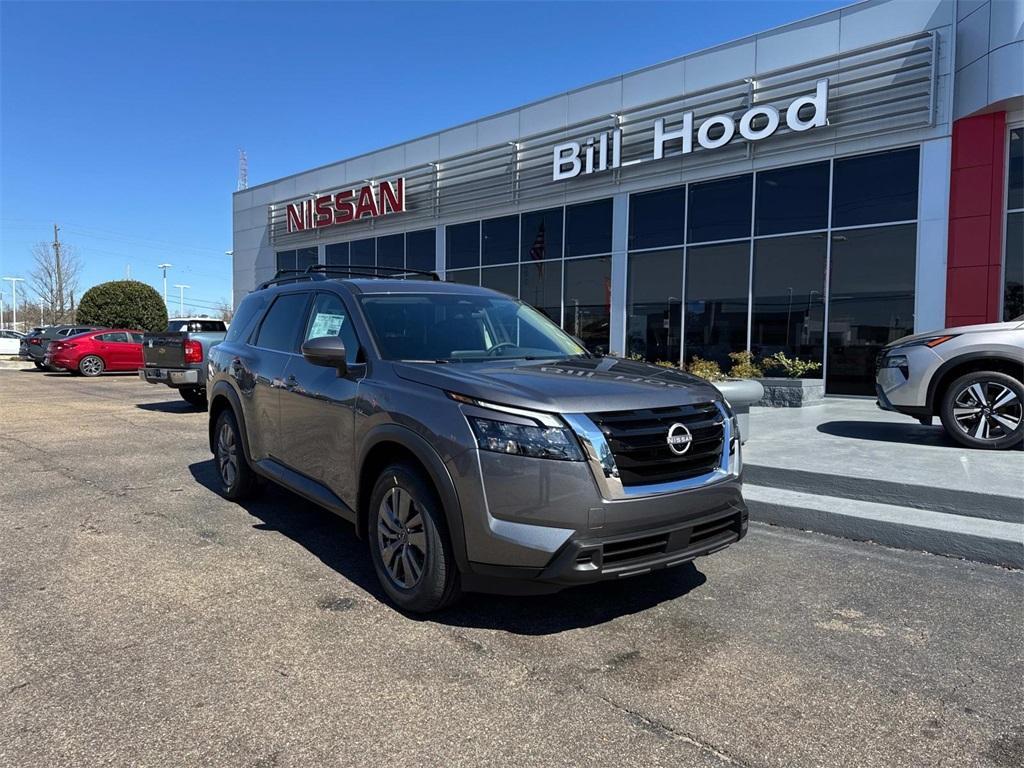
x,y
39,366
237,479
194,396
409,545
984,409
90,366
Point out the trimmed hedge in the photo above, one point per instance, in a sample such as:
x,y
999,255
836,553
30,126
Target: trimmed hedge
x,y
123,304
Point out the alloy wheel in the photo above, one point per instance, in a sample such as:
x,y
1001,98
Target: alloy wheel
x,y
91,366
227,455
401,537
987,410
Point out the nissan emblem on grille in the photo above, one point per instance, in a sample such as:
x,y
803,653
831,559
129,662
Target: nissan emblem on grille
x,y
679,439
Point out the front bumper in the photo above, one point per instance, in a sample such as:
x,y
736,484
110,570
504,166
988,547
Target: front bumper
x,y
172,377
537,525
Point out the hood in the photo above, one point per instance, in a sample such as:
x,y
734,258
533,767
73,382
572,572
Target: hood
x,y
574,385
957,331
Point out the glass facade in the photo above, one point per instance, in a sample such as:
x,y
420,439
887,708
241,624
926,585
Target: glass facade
x,y
297,259
871,299
408,250
1013,259
750,269
557,260
758,261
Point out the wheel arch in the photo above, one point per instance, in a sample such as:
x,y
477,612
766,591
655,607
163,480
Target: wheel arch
x,y
389,443
972,362
222,397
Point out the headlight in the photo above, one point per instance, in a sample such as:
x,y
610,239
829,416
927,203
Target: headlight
x,y
520,440
547,438
928,341
897,361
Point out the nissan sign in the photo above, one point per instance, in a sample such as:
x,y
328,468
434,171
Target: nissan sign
x,y
604,151
327,210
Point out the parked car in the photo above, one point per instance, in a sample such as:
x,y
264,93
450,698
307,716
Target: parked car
x,y
177,357
472,441
970,377
10,342
33,347
94,352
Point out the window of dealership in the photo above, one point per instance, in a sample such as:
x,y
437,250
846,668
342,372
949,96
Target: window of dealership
x,y
1013,247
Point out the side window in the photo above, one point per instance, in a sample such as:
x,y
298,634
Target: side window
x,y
250,307
329,317
118,338
136,338
283,323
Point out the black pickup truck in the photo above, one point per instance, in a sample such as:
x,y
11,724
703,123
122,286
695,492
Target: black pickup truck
x,y
177,357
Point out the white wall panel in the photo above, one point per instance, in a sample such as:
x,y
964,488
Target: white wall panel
x,y
1006,73
652,84
544,116
458,141
972,37
603,98
932,235
869,23
798,42
720,65
498,130
1007,24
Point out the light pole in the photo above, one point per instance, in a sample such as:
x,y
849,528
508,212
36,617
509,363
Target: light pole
x,y
14,299
181,299
165,267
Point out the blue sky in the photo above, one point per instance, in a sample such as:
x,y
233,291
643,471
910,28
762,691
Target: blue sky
x,y
122,121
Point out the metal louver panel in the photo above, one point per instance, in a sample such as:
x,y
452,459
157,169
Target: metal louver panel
x,y
873,90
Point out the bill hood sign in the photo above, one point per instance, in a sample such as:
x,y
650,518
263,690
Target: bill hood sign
x,y
604,151
366,202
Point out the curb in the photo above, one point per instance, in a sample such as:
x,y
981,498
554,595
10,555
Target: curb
x,y
986,541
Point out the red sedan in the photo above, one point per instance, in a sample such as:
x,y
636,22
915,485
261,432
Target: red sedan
x,y
94,352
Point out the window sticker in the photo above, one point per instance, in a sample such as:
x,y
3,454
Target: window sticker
x,y
326,324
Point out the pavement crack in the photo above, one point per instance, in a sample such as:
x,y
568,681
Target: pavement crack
x,y
666,731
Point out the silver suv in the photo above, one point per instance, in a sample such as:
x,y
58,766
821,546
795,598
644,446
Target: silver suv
x,y
970,377
473,443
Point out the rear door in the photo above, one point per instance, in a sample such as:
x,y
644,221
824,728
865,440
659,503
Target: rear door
x,y
114,348
135,351
318,405
275,342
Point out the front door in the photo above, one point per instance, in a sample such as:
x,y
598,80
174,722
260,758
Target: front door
x,y
318,405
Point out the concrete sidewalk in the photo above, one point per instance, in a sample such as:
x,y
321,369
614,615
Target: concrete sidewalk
x,y
849,469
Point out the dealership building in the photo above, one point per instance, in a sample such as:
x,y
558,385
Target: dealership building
x,y
820,188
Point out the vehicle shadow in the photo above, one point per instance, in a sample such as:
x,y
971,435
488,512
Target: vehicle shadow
x,y
885,432
333,541
169,406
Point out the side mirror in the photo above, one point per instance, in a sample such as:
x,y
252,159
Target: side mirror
x,y
327,351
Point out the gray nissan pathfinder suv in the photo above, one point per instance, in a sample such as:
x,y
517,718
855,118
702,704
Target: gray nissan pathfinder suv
x,y
475,444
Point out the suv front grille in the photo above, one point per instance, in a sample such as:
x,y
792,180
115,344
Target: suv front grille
x,y
639,441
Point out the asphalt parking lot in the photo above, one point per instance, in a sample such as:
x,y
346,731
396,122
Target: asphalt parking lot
x,y
146,621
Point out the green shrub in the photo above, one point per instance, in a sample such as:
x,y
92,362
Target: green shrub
x,y
744,367
705,369
794,367
123,304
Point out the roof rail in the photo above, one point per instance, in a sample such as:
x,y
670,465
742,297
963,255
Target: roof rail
x,y
368,271
324,272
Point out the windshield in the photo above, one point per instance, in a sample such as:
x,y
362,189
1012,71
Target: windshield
x,y
449,328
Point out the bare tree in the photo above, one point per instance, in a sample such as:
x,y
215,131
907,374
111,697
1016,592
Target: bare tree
x,y
226,311
54,279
